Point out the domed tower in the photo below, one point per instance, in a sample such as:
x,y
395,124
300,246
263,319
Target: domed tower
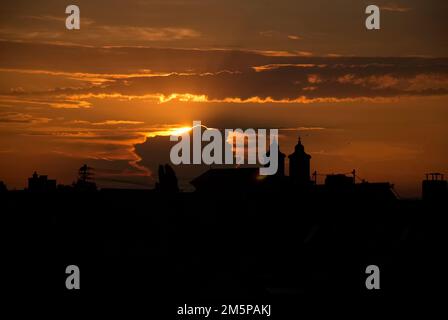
x,y
299,165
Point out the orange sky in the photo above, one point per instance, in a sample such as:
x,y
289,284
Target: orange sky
x,y
373,101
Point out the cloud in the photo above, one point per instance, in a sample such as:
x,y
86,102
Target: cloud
x,y
116,122
45,29
280,65
279,35
330,80
240,77
145,33
113,60
58,19
90,78
393,7
294,37
304,53
44,99
267,33
16,117
303,129
69,105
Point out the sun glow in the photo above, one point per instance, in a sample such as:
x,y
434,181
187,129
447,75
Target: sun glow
x,y
175,131
180,131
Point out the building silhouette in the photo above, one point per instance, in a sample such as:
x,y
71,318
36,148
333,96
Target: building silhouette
x,y
434,187
227,180
41,183
339,181
247,179
336,186
299,165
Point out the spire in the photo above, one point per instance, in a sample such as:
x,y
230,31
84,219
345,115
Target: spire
x,y
299,147
299,165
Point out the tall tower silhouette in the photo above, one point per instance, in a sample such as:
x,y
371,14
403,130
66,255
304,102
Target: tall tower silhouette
x,y
299,165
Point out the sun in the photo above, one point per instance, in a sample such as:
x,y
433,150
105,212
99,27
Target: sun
x,y
174,130
179,131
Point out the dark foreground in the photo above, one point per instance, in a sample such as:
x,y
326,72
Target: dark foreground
x,y
154,251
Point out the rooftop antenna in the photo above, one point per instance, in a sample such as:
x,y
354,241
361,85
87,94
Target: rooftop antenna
x,y
315,177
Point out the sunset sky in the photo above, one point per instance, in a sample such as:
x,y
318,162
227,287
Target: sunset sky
x,y
110,93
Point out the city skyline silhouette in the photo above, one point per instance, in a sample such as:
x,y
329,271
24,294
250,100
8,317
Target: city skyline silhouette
x,y
225,177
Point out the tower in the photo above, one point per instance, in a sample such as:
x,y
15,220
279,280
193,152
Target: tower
x,y
299,165
85,177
